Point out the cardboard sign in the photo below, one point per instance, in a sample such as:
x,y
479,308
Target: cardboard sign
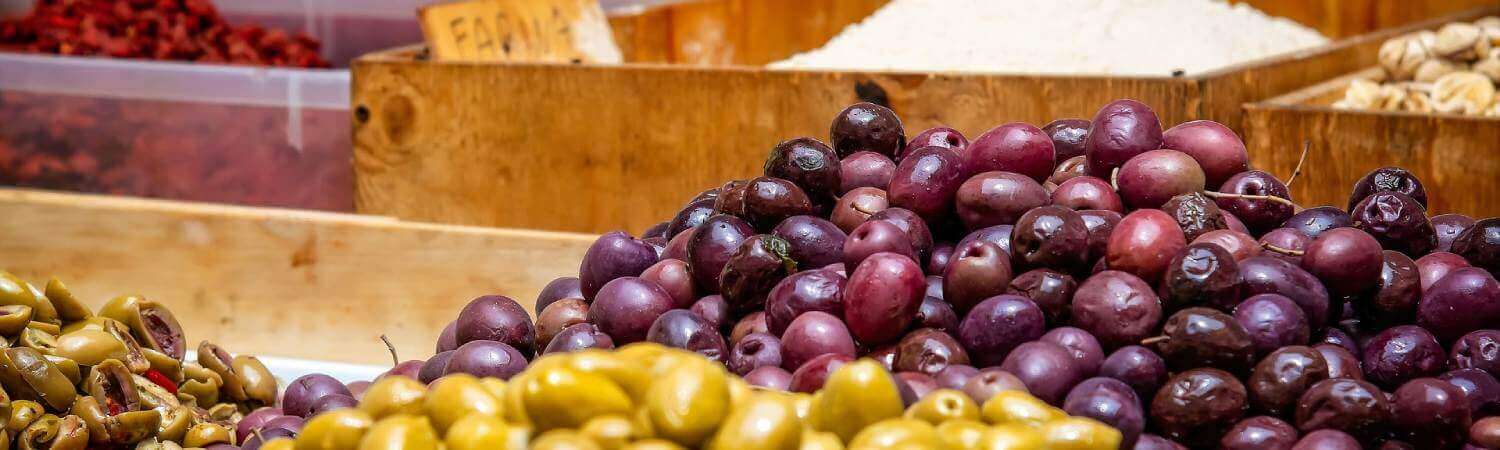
x,y
519,30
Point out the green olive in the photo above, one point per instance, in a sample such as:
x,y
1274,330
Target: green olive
x,y
628,374
68,367
857,395
1078,433
121,308
94,417
72,434
394,395
481,432
41,432
91,323
962,434
765,421
820,440
653,444
802,402
22,414
13,319
225,413
194,371
1012,436
166,365
205,434
454,396
280,443
36,338
562,397
612,431
152,395
398,432
897,433
15,291
687,403
134,426
90,347
114,387
175,423
739,391
24,370
259,384
156,328
494,386
943,405
201,392
217,360
1018,407
335,430
563,440
133,359
69,309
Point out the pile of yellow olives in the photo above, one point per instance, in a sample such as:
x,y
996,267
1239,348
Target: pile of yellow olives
x,y
74,378
645,396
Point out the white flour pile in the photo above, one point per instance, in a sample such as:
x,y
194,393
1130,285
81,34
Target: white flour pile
x,y
1121,37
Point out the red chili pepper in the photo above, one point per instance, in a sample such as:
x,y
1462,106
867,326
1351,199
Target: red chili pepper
x,y
161,380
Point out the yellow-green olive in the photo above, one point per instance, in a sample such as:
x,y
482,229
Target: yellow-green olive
x,y
653,444
166,365
765,421
13,319
909,434
152,395
495,386
121,308
626,373
962,434
39,339
25,372
1012,436
72,434
201,392
399,432
612,431
22,414
91,323
158,444
562,397
394,395
114,387
69,309
94,417
802,402
131,427
563,440
259,384
175,423
156,328
133,359
217,360
194,371
857,395
454,396
943,405
205,434
481,432
68,367
90,347
225,413
1079,433
280,443
336,430
41,432
689,401
1020,408
15,291
820,440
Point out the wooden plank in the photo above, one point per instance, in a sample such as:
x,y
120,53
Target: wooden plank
x,y
1347,18
734,32
524,30
278,282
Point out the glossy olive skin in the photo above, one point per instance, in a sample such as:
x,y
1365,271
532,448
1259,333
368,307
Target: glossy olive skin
x,y
1150,179
1258,215
985,384
769,200
1312,222
770,377
1101,225
998,198
1397,221
978,270
865,169
1086,192
680,328
1431,412
939,137
1279,380
673,276
954,376
1085,349
1048,370
936,314
1259,432
928,351
1481,388
866,126
926,180
1198,406
857,205
1071,168
1068,136
814,241
752,270
578,337
1049,289
812,334
557,289
1269,275
1203,337
1447,228
615,254
1138,367
714,309
496,318
1118,132
1117,308
1013,147
558,315
1352,406
1461,302
1196,214
1397,293
1479,349
626,307
1214,146
711,246
1341,362
998,325
882,297
1480,245
752,323
1109,401
1388,179
1436,265
1285,244
1144,243
1238,244
875,236
486,359
810,376
1050,237
1346,259
1150,441
1272,321
1201,275
1327,439
754,351
809,164
812,290
1402,353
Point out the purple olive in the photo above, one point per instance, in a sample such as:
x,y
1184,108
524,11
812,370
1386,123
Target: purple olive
x,y
752,323
410,368
810,376
1259,214
1269,275
998,235
613,255
1326,439
979,270
1477,350
1085,192
1467,299
1050,237
1314,221
1150,441
1239,245
1198,406
882,297
1352,406
435,367
257,418
1285,244
558,288
1447,227
770,377
1402,353
754,351
1394,299
255,440
690,216
942,252
1259,432
448,339
876,236
487,359
1388,179
937,314
626,307
1480,388
856,206
812,334
1338,337
928,351
680,328
1436,265
1119,131
1048,370
955,376
1052,291
1280,379
674,276
1085,349
998,325
914,386
768,201
1397,221
1202,275
753,270
813,290
1214,146
1068,137
998,198
865,169
814,241
713,309
710,248
1109,401
578,337
1480,245
1013,147
867,127
1341,362
677,248
1101,225
496,318
885,355
809,164
926,181
1149,179
1196,214
1144,243
1117,308
1272,321
333,403
915,228
1205,337
1432,413
1139,367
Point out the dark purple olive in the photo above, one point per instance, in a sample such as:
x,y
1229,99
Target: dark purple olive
x,y
997,325
984,384
813,290
1052,291
613,255
1144,243
302,393
856,206
1447,227
674,276
1402,353
1336,336
1196,214
690,216
1119,131
955,376
496,318
914,386
1101,225
1013,147
876,236
754,351
926,181
1259,214
626,308
1068,169
882,297
1083,346
1085,192
1314,221
1352,406
978,270
885,355
1279,379
1202,275
811,334
448,339
258,418
411,368
928,351
1285,244
1467,299
1204,337
680,328
867,127
558,288
938,137
1198,406
1484,434
810,376
998,198
1117,308
578,337
1479,349
487,359
1272,321
1479,387
710,248
753,270
435,367
255,440
1397,221
1068,137
768,201
1436,265
937,314
1139,367
1234,222
1326,439
714,309
1150,441
1480,245
770,377
998,235
1214,146
865,169
1259,433
677,248
915,228
1048,370
557,316
752,323
1149,179
809,164
1109,401
1388,179
942,252
1050,237
1341,362
1270,275
1394,299
1431,413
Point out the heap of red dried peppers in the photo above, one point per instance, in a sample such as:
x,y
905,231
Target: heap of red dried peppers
x,y
181,30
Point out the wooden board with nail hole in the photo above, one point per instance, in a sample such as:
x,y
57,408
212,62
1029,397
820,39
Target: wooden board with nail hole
x,y
318,286
594,148
1456,157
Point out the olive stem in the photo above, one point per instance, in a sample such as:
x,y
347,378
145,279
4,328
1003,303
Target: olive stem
x,y
1114,179
395,360
1306,145
862,209
1269,198
1153,340
256,431
1284,251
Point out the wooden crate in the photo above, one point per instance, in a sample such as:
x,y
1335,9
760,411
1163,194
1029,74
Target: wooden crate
x,y
595,147
279,282
1457,157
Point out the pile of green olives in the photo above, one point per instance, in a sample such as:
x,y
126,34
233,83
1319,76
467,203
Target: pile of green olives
x,y
645,396
74,379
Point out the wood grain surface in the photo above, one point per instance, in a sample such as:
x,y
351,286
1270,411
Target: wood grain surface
x,y
739,32
278,282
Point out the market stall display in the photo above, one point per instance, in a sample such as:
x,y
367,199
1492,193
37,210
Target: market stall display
x,y
1454,70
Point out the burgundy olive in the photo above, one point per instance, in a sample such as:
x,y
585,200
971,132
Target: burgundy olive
x,y
1480,245
613,255
1394,299
1479,349
1326,439
1402,353
1431,412
1314,221
1285,244
997,325
1198,406
810,376
814,241
913,226
556,317
998,198
674,276
955,376
731,199
882,297
1013,147
1485,433
1068,137
1270,275
754,351
928,351
1052,291
1259,433
714,309
1109,401
1202,275
1086,351
978,270
885,355
1085,192
677,248
1139,367
1436,265
486,359
1048,370
711,246
1345,404
865,169
1204,337
856,206
1481,389
1150,441
937,314
1117,308
1447,227
866,126
299,396
752,323
680,328
998,235
1388,179
1101,225
942,252
1050,237
876,236
578,337
496,318
448,338
1068,169
690,216
984,384
1279,379
811,334
1336,336
926,181
1149,179
1258,214
809,164
1341,362
558,288
1234,222
1397,221
939,137
1195,214
1119,131
1144,243
1214,146
812,290
770,377
768,201
1467,299
626,307
914,386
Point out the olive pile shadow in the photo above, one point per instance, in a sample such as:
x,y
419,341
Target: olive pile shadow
x,y
76,379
